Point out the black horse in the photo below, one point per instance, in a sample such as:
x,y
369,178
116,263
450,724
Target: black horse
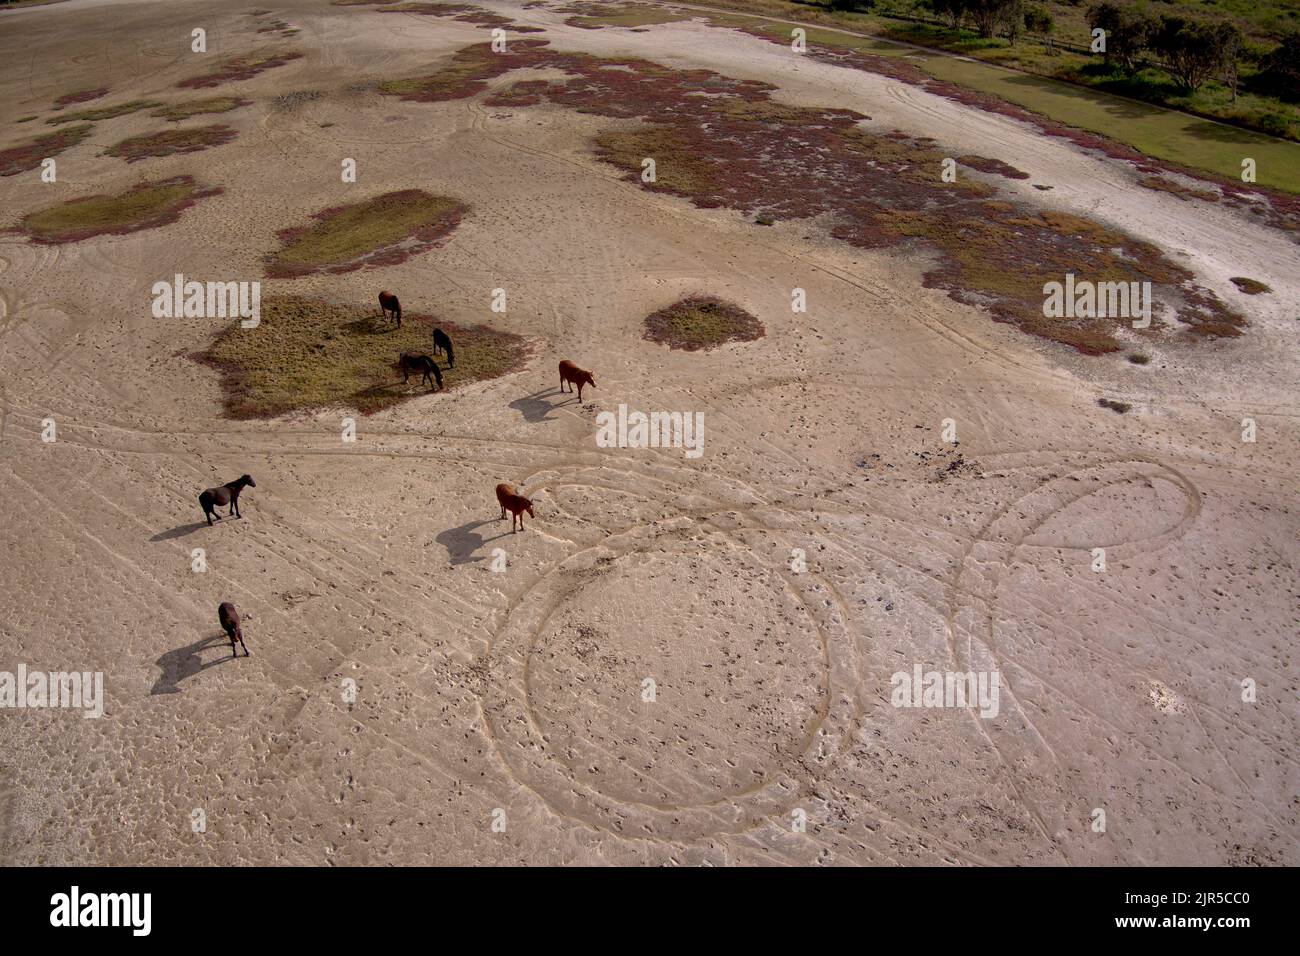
x,y
227,494
419,362
442,343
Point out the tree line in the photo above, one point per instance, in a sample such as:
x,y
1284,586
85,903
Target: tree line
x,y
1191,50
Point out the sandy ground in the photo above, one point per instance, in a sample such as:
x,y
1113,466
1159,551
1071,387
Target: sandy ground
x,y
516,696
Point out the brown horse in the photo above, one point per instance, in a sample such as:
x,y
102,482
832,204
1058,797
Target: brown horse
x,y
227,494
388,303
517,504
229,619
419,362
573,375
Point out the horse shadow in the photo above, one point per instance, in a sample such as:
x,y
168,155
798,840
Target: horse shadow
x,y
533,408
180,531
185,662
462,542
370,325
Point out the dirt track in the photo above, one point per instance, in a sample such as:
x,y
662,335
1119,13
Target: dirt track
x,y
522,690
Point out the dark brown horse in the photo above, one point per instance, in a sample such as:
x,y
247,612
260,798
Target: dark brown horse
x,y
575,376
388,303
227,494
517,504
419,362
442,343
229,619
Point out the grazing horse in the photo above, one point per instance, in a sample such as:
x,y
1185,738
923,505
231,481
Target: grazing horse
x,y
442,343
419,362
517,504
229,619
575,376
388,303
227,494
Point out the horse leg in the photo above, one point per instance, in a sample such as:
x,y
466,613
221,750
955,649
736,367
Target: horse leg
x,y
247,652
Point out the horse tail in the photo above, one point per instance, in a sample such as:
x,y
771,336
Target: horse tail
x,y
451,354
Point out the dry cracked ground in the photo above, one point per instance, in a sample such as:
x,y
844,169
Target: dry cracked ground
x,y
427,687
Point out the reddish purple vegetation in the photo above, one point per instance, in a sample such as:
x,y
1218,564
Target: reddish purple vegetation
x,y
739,149
239,68
430,9
465,12
1279,209
993,166
82,96
484,18
523,93
171,141
18,159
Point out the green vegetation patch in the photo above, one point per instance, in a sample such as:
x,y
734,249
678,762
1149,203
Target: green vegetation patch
x,y
144,206
1250,286
380,231
171,141
701,322
308,354
176,112
680,167
102,112
465,75
18,159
